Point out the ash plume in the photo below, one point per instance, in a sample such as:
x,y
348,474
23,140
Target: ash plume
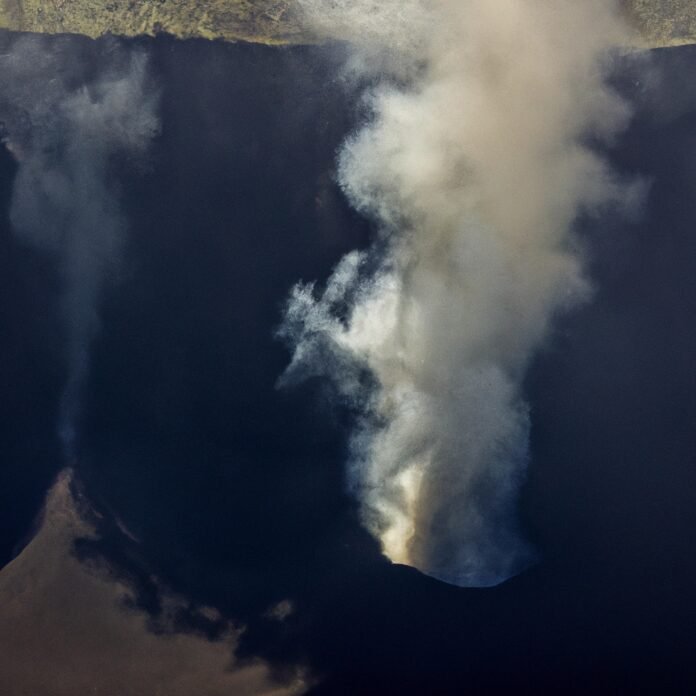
x,y
66,120
473,161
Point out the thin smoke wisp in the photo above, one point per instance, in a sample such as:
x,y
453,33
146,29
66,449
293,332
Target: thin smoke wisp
x,y
474,165
65,126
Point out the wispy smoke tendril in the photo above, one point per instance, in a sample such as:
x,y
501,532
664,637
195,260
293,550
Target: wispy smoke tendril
x,y
65,127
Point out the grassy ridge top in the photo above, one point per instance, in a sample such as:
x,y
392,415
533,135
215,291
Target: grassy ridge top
x,y
659,22
663,22
261,21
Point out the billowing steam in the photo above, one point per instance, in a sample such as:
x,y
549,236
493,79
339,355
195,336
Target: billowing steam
x,y
65,128
473,162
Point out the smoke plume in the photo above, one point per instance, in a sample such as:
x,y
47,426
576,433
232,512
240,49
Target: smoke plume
x,y
65,127
473,161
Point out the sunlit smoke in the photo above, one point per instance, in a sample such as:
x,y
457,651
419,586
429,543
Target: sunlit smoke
x,y
474,164
65,128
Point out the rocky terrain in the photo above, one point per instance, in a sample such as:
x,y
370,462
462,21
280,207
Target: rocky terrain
x,y
663,22
658,22
259,21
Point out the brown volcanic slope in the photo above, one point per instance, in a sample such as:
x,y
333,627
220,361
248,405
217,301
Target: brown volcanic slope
x,y
659,22
69,628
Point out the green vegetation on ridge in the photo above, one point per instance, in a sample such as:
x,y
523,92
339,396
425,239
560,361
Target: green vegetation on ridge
x,y
658,22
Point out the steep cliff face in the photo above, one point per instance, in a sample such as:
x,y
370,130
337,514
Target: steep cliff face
x,y
658,22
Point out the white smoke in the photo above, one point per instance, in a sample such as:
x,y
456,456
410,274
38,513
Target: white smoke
x,y
65,129
474,164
